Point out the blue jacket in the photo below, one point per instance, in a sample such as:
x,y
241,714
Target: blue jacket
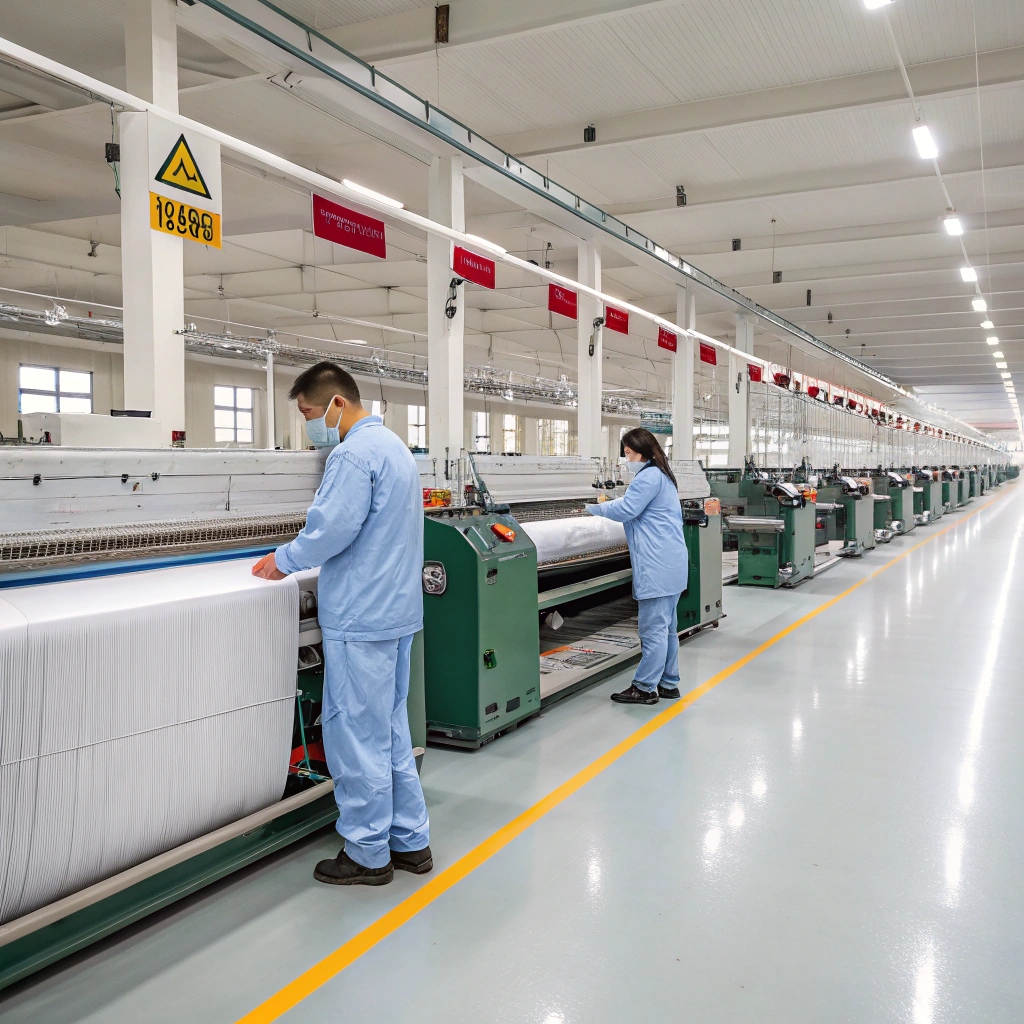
x,y
365,530
653,520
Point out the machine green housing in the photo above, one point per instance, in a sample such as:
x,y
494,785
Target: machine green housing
x,y
701,602
932,498
481,640
774,558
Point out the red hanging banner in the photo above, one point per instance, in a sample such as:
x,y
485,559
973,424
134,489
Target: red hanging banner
x,y
477,269
339,224
616,320
708,354
666,339
754,372
562,300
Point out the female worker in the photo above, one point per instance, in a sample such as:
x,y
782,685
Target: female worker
x,y
650,512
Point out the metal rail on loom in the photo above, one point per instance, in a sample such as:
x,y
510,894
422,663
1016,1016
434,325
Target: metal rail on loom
x,y
46,935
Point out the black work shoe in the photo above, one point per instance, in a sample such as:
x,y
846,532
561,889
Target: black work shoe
x,y
634,695
343,870
419,862
668,692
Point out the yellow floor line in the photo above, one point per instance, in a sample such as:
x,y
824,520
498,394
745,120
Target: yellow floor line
x,y
334,963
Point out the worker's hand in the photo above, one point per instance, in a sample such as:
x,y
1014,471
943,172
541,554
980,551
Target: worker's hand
x,y
266,568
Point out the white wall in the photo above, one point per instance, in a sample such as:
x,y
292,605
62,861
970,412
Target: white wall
x,y
105,366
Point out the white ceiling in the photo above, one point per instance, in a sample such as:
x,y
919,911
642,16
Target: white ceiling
x,y
786,110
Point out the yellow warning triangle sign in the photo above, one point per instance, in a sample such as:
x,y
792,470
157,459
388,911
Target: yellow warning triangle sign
x,y
181,170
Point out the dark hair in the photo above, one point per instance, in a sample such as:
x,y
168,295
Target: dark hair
x,y
320,383
646,444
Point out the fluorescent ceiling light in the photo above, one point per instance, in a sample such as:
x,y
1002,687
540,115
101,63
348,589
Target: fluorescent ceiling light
x,y
925,143
987,325
370,194
873,5
1000,366
1005,376
953,226
353,341
979,304
997,355
486,244
992,339
969,273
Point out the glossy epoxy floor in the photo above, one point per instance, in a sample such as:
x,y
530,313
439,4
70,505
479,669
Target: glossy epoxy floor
x,y
833,833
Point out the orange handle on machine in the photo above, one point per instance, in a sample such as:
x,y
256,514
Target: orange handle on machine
x,y
810,493
503,532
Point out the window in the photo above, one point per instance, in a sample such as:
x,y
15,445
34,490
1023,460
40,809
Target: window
x,y
232,414
481,432
553,437
50,389
377,409
418,427
511,433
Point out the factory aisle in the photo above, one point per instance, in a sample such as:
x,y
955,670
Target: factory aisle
x,y
831,833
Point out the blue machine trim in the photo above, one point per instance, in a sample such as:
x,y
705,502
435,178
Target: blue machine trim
x,y
80,572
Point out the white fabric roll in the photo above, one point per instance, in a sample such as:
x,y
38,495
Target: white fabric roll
x,y
139,712
568,538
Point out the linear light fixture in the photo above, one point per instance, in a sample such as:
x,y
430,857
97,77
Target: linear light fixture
x,y
992,339
979,304
987,325
969,274
873,5
925,143
997,355
1000,366
487,244
352,341
953,226
370,194
1005,376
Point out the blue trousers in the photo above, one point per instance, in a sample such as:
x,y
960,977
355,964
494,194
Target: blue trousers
x,y
369,750
659,644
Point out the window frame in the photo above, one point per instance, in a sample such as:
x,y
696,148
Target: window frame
x,y
235,409
57,393
413,423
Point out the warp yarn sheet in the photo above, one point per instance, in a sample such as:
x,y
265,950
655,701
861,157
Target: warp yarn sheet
x,y
137,712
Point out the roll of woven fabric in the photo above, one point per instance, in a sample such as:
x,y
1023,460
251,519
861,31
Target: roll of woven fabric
x,y
140,711
559,539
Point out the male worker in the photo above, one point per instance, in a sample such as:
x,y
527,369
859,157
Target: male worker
x,y
365,530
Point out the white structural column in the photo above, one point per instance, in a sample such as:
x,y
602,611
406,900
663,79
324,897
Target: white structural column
x,y
588,367
444,337
682,377
271,411
151,261
739,421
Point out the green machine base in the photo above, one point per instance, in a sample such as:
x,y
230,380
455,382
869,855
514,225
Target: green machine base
x,y
481,637
781,556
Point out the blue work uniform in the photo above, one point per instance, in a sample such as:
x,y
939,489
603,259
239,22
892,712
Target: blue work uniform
x,y
365,530
650,514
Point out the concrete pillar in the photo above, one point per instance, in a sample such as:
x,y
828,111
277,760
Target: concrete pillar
x,y
588,370
682,377
151,261
444,337
739,420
